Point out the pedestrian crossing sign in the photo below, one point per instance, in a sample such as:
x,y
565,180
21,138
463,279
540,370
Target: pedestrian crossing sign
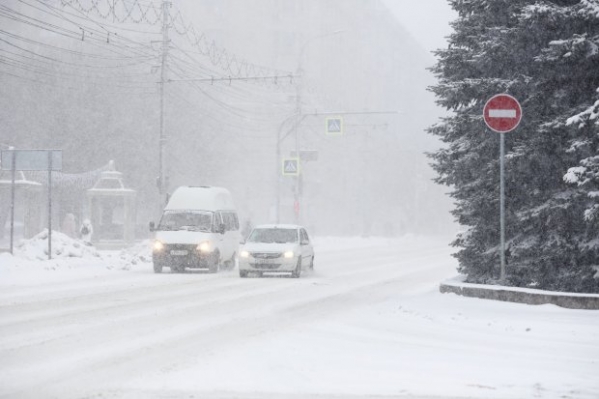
x,y
291,167
334,125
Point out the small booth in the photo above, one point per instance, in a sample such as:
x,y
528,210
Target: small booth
x,y
112,211
28,212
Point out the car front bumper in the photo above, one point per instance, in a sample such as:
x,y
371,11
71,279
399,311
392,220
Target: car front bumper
x,y
275,265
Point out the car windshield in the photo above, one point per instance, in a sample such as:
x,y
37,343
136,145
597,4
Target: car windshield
x,y
273,235
186,220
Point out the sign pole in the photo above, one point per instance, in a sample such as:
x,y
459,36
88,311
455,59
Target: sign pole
x,y
502,113
12,201
502,203
49,205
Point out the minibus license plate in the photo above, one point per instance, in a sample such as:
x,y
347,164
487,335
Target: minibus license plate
x,y
179,252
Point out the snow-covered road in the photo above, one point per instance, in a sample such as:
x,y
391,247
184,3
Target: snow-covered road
x,y
369,322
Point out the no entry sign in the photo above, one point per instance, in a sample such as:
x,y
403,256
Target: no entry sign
x,y
502,113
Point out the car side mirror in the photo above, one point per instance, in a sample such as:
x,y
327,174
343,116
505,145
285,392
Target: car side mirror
x,y
152,226
304,242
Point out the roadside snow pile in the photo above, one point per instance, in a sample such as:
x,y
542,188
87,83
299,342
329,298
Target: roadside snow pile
x,y
63,246
69,253
136,255
71,260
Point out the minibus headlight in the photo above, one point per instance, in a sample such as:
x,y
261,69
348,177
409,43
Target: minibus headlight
x,y
205,247
244,254
158,246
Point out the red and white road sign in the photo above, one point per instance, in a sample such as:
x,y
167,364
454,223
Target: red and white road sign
x,y
502,113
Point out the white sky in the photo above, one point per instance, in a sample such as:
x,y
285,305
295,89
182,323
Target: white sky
x,y
426,20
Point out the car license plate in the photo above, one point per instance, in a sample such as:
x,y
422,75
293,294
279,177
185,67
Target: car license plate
x,y
179,252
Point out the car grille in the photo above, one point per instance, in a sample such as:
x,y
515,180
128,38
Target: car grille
x,y
265,266
182,252
189,247
266,255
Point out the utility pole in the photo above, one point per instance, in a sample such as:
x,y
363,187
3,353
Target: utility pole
x,y
162,177
298,110
298,106
297,119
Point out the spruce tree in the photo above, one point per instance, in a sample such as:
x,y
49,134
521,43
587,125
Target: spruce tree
x,y
546,54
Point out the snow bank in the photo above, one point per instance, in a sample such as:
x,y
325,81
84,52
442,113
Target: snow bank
x,y
529,296
71,259
63,246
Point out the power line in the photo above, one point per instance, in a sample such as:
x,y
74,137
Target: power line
x,y
82,33
54,72
88,49
68,86
138,12
68,51
104,35
219,122
194,67
230,79
27,59
61,12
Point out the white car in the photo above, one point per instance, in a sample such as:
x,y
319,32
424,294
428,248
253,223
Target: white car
x,y
276,249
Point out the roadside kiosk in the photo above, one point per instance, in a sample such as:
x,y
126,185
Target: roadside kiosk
x,y
112,211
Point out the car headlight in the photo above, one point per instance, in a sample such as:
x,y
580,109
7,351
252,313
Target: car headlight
x,y
158,246
244,254
205,246
288,254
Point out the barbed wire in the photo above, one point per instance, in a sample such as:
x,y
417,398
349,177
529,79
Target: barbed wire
x,y
152,13
135,13
118,65
229,63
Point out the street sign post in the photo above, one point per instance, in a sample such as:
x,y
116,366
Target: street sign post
x,y
31,160
502,114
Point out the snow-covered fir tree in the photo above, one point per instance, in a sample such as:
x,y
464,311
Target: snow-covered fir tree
x,y
546,54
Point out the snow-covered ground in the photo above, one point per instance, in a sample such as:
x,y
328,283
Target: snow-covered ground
x,y
368,323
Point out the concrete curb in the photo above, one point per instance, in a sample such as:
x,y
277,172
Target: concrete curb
x,y
520,295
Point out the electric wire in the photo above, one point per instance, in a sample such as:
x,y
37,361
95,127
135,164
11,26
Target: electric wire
x,y
75,35
126,53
